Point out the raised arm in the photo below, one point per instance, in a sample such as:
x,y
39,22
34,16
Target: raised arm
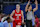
x,y
12,15
22,16
27,6
36,6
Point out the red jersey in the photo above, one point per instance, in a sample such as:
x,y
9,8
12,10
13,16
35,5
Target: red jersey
x,y
17,16
37,21
39,24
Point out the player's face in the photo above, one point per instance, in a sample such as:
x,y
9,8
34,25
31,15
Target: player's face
x,y
30,8
18,7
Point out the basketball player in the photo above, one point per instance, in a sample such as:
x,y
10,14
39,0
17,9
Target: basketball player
x,y
17,16
30,13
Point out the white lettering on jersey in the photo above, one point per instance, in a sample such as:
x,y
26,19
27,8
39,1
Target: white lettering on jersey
x,y
17,16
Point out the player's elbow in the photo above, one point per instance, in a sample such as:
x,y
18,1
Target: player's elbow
x,y
36,8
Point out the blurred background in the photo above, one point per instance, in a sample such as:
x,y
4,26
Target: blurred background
x,y
7,6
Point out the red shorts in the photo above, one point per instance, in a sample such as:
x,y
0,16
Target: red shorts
x,y
17,22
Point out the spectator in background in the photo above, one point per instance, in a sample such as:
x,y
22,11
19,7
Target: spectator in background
x,y
7,22
36,21
4,17
1,23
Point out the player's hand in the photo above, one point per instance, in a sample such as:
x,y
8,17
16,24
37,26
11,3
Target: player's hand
x,y
29,2
36,2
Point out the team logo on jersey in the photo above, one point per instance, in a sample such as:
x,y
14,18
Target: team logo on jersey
x,y
17,16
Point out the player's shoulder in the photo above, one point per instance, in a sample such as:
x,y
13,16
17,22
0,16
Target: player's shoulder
x,y
13,10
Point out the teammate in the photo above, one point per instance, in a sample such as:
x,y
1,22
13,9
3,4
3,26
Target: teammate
x,y
17,14
30,14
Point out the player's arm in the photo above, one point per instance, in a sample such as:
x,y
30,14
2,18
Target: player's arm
x,y
27,6
12,15
22,16
4,18
36,6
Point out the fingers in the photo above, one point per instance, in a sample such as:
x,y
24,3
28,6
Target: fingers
x,y
29,0
36,2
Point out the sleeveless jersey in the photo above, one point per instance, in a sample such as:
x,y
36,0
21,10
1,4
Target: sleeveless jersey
x,y
17,16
